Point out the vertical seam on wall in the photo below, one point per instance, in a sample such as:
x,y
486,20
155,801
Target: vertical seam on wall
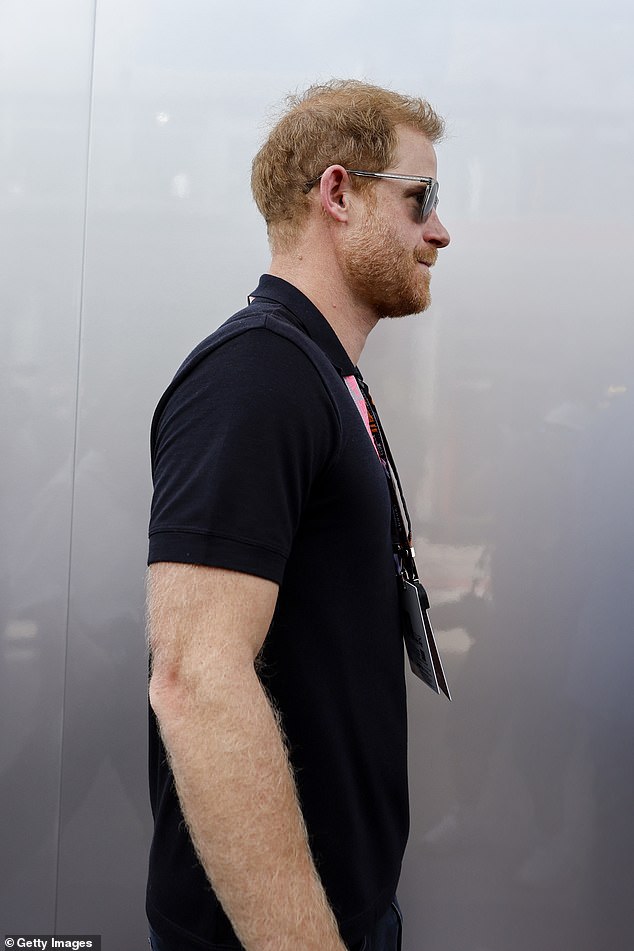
x,y
74,453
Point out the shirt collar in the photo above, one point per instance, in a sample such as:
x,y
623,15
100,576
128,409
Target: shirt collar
x,y
307,317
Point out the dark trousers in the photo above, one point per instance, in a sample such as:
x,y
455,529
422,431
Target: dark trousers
x,y
386,935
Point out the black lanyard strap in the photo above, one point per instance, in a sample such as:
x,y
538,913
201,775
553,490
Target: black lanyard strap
x,y
417,630
401,535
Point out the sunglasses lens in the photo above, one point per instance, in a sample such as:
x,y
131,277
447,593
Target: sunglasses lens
x,y
431,200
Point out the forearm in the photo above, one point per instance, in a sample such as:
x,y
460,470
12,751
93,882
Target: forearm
x,y
239,800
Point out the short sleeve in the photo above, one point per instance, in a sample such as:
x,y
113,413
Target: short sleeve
x,y
238,446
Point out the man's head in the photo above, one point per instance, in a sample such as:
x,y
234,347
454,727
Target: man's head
x,y
385,259
343,122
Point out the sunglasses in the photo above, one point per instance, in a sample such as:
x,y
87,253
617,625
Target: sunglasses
x,y
427,199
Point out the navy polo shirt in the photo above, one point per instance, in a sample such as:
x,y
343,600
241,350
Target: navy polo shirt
x,y
262,464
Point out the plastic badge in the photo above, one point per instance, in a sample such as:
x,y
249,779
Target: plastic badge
x,y
419,637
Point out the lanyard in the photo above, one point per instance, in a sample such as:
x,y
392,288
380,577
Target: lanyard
x,y
417,630
401,522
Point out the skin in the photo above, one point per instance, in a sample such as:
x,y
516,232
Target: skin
x,y
207,625
319,262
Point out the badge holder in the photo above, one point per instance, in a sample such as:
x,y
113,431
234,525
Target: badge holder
x,y
424,658
420,643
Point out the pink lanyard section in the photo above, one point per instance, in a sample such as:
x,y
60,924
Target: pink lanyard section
x,y
359,402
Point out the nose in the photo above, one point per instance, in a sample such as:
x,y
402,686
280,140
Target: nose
x,y
434,232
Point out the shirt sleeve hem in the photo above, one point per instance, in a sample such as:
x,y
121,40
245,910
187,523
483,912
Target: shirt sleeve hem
x,y
191,548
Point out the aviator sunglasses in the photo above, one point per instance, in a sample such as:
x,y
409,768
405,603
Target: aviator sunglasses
x,y
427,199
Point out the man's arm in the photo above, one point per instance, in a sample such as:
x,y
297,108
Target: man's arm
x,y
237,793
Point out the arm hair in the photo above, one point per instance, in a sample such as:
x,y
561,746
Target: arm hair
x,y
206,627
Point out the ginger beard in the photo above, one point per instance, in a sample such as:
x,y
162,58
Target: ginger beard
x,y
383,272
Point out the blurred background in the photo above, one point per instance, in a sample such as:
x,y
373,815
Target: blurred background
x,y
128,233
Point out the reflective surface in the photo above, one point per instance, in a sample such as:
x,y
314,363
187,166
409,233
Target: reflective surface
x,y
44,115
129,233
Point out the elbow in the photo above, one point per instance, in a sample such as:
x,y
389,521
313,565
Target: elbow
x,y
185,688
181,690
174,709
166,693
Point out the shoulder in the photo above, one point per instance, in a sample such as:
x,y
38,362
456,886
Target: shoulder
x,y
255,332
258,363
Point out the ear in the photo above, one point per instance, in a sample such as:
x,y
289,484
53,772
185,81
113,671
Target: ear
x,y
334,192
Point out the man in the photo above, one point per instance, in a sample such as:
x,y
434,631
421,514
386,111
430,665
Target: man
x,y
277,678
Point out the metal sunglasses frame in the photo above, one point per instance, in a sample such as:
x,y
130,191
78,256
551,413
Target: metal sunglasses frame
x,y
431,194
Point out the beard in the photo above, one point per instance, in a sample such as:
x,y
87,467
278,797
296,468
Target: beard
x,y
383,273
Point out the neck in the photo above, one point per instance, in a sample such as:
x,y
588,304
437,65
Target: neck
x,y
323,284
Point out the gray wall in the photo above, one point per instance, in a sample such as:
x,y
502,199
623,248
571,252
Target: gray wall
x,y
128,233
